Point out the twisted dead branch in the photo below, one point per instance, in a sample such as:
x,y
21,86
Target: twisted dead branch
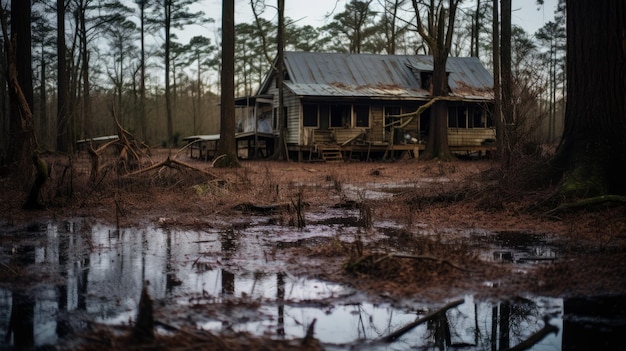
x,y
171,163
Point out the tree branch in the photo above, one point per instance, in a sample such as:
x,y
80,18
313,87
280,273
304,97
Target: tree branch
x,y
262,34
398,333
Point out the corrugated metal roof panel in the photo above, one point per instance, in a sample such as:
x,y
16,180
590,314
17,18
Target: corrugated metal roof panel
x,y
380,76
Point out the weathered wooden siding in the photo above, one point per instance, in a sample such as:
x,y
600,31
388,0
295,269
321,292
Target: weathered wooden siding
x,y
292,104
470,136
294,120
376,132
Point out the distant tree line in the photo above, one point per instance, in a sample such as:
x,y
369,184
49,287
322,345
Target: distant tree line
x,y
117,55
68,67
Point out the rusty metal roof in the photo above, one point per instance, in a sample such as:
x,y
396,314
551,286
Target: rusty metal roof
x,y
381,76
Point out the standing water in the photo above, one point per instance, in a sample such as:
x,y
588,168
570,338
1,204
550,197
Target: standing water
x,y
58,278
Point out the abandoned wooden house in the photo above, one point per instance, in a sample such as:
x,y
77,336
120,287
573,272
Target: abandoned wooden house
x,y
360,106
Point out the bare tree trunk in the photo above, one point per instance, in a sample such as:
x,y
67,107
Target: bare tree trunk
x,y
4,106
497,87
593,149
227,148
87,115
507,81
142,85
476,31
43,116
281,152
63,123
167,8
439,37
437,146
20,150
22,124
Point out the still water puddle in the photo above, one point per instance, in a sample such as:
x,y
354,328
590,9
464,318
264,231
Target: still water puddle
x,y
229,280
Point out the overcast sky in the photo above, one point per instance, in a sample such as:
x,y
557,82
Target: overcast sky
x,y
526,13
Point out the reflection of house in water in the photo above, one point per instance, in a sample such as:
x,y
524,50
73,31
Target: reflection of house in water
x,y
364,104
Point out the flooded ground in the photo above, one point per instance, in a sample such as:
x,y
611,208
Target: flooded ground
x,y
288,256
69,276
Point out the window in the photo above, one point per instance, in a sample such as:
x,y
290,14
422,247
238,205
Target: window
x,y
340,116
309,115
469,117
456,117
476,118
362,115
461,116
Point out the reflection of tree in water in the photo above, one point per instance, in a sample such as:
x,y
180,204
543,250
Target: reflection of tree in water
x,y
514,316
497,327
74,264
21,328
439,329
229,244
280,301
22,322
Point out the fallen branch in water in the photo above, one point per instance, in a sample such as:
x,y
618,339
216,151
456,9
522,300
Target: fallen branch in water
x,y
398,333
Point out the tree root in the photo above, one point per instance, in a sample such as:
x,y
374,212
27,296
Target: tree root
x,y
587,202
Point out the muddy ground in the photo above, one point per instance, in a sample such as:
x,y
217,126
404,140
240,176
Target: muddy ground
x,y
430,254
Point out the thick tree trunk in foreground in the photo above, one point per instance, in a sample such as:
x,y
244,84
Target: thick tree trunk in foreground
x,y
506,83
439,41
593,149
437,146
497,87
20,148
227,148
